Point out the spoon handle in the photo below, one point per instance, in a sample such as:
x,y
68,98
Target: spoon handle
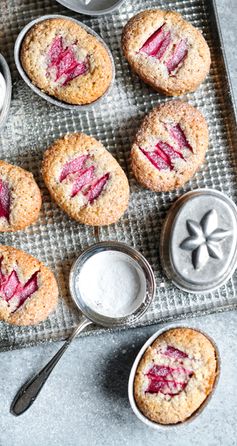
x,y
30,390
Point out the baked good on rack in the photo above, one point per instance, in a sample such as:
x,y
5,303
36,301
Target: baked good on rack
x,y
28,289
169,146
20,198
175,376
85,180
64,60
166,51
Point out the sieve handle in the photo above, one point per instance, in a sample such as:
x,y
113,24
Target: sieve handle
x,y
30,390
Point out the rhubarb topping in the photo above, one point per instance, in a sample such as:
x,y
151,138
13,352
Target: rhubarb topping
x,y
65,62
96,188
4,200
84,180
12,289
157,44
179,137
163,156
168,380
73,166
164,45
154,43
174,353
178,56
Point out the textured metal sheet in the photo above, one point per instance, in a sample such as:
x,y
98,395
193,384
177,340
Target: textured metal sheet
x,y
33,124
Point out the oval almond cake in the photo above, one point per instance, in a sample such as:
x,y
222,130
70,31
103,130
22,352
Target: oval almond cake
x,y
175,375
62,59
166,51
20,198
28,289
85,180
169,146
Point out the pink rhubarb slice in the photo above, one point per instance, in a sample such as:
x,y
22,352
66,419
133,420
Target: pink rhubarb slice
x,y
84,178
153,44
178,56
168,380
78,70
179,137
64,60
157,158
169,151
30,287
4,200
73,166
163,156
174,353
11,287
96,188
164,45
55,50
157,43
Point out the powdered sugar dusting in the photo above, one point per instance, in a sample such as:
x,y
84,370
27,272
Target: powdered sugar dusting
x,y
112,284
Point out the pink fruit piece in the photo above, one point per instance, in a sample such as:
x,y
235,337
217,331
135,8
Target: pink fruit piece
x,y
78,70
175,353
164,45
153,44
4,200
65,62
163,156
169,151
83,179
30,287
55,50
167,380
73,166
96,188
10,285
159,160
178,135
178,56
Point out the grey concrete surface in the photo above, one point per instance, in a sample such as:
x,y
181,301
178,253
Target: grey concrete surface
x,y
85,401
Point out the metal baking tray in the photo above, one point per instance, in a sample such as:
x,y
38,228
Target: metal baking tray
x,y
33,124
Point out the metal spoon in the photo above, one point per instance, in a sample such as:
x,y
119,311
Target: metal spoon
x,y
30,390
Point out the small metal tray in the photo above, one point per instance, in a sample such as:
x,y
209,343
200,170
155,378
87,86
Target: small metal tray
x,y
33,124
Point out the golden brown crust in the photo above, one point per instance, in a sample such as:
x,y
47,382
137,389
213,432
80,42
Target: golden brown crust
x,y
81,90
25,198
153,128
201,360
112,202
38,306
196,65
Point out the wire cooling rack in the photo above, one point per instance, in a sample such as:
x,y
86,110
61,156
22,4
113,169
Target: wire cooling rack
x,y
33,124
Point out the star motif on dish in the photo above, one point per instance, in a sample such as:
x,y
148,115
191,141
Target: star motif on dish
x,y
204,239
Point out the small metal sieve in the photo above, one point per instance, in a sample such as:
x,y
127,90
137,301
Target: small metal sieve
x,y
29,391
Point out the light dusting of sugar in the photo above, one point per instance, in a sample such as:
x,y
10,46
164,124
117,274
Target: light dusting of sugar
x,y
112,284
